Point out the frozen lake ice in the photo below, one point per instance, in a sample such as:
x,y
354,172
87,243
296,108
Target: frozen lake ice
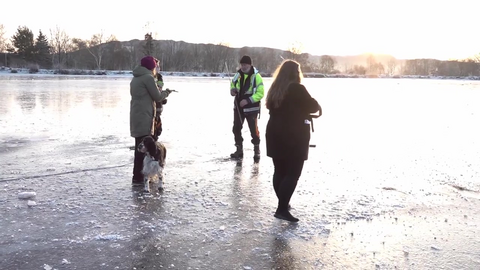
x,y
393,182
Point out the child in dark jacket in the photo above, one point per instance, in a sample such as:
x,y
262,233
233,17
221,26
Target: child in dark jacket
x,y
158,105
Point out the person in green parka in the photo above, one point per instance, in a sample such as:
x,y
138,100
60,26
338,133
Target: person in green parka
x,y
144,94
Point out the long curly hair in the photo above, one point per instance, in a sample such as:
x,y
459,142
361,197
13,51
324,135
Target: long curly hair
x,y
286,73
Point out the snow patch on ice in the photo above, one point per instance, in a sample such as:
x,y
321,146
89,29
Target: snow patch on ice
x,y
108,237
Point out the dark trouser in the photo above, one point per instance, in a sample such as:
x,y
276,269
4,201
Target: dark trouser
x,y
157,128
138,161
158,121
238,118
285,180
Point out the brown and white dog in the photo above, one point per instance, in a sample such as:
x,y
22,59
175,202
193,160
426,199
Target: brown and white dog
x,y
153,163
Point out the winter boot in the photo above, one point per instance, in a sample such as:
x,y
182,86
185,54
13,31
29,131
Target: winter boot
x,y
238,153
137,180
285,215
256,150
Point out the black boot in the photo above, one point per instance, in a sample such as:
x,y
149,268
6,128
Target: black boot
x,y
285,215
238,153
137,180
256,150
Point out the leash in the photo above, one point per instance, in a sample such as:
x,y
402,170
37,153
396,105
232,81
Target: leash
x,y
63,173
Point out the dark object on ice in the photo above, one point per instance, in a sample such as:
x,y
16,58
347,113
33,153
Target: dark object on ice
x,y
137,180
285,215
137,183
462,188
256,153
238,153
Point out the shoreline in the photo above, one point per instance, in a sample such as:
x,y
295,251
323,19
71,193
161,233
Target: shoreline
x,y
80,72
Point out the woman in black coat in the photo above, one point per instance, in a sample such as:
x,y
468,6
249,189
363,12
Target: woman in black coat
x,y
288,131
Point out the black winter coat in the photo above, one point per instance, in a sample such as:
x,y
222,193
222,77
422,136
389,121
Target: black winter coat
x,y
288,129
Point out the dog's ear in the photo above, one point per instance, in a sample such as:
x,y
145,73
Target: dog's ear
x,y
148,141
147,138
151,150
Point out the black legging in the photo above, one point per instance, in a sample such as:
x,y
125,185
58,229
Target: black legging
x,y
285,178
138,160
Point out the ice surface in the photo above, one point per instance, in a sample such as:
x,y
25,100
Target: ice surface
x,y
383,179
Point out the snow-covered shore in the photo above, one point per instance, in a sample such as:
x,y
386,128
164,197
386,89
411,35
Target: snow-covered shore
x,y
7,70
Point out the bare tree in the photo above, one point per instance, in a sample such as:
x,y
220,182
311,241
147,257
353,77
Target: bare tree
x,y
379,68
169,51
196,54
97,46
231,61
147,28
468,67
59,42
295,49
149,47
271,60
476,58
180,59
223,54
78,44
374,67
3,42
359,69
211,58
327,64
132,47
391,66
371,64
3,39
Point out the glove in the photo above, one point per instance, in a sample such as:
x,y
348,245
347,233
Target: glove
x,y
233,92
243,102
164,101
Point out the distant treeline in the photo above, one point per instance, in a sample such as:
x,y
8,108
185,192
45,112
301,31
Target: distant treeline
x,y
99,53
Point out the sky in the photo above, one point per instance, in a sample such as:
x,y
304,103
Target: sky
x,y
405,29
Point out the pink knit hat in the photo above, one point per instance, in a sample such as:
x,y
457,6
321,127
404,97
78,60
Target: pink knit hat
x,y
148,62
